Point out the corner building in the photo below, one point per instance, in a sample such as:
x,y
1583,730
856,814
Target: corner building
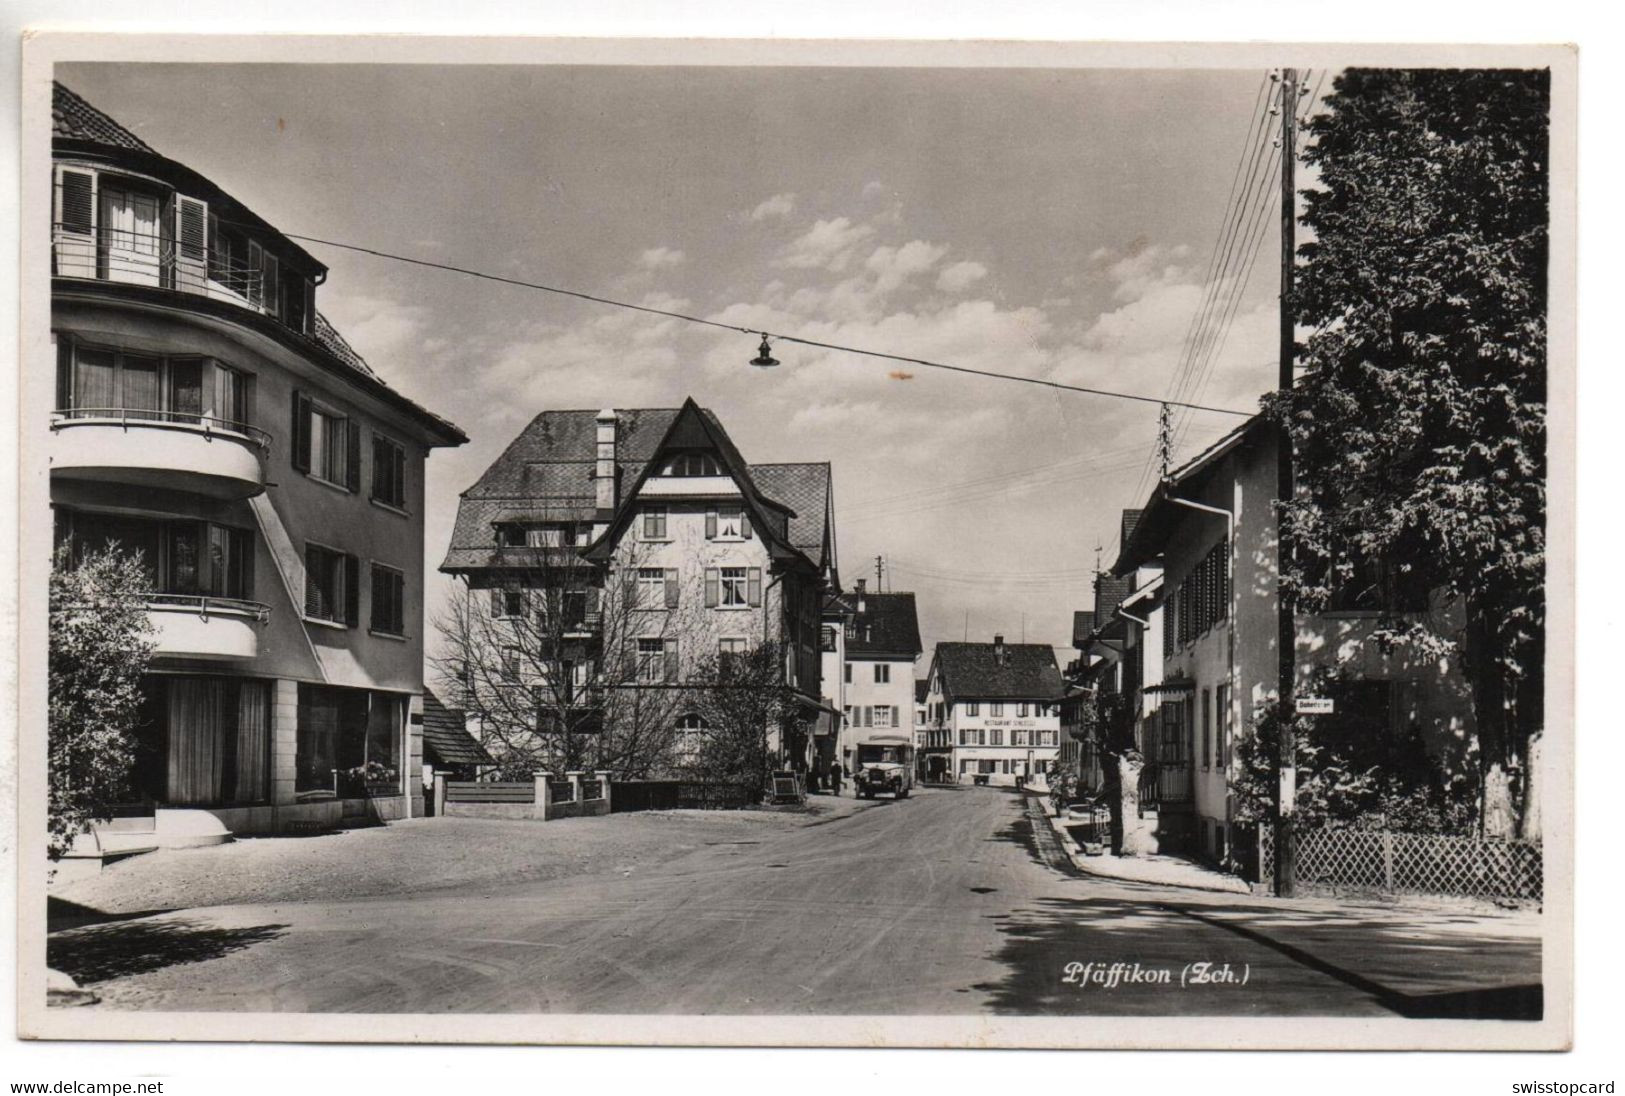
x,y
208,417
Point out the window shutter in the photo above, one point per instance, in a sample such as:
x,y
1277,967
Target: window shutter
x,y
629,660
496,601
271,283
711,524
671,660
76,208
352,591
301,432
744,523
380,599
315,566
755,587
671,587
713,587
399,482
191,243
352,444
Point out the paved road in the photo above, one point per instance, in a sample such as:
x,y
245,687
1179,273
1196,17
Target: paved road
x,y
946,903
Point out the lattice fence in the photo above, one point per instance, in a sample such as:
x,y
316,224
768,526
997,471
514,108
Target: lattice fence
x,y
1419,863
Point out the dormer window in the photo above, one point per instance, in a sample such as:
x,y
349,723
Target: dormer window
x,y
691,464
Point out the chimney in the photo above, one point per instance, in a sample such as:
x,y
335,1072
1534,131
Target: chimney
x,y
862,582
998,650
604,471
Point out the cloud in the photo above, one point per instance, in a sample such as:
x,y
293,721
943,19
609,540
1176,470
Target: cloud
x,y
893,266
661,258
780,205
827,245
961,276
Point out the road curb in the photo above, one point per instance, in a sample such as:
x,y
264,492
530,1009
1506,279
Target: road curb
x,y
1089,866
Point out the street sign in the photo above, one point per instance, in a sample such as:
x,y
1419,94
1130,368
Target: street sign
x,y
1314,705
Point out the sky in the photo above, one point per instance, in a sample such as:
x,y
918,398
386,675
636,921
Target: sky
x,y
1055,224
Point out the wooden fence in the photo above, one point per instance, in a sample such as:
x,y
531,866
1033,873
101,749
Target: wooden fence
x,y
1412,863
673,795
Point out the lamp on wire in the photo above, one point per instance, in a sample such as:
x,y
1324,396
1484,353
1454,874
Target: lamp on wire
x,y
764,358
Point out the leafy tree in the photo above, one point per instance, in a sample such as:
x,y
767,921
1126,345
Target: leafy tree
x,y
100,643
1352,770
1419,429
1110,718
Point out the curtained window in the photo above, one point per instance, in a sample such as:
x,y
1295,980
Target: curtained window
x,y
215,743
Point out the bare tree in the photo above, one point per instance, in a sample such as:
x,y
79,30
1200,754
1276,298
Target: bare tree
x,y
746,702
553,663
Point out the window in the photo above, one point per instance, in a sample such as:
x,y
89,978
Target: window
x,y
656,661
1047,738
545,536
1221,700
94,382
882,673
1021,710
331,581
846,715
651,588
995,737
827,638
326,444
884,715
996,708
691,464
388,472
508,602
196,558
510,661
973,708
733,587
727,523
654,523
388,600
1201,600
510,535
847,671
730,649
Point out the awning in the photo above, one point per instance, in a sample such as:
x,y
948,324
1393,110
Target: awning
x,y
1177,689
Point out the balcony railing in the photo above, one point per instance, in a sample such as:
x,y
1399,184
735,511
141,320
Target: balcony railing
x,y
125,416
204,605
144,258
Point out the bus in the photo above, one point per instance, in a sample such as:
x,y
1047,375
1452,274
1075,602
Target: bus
x,y
885,766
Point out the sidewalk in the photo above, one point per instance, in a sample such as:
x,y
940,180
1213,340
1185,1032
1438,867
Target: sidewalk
x,y
1167,871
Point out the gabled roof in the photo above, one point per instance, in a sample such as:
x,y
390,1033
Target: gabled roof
x,y
888,625
74,119
1159,516
695,427
546,474
922,689
976,671
445,735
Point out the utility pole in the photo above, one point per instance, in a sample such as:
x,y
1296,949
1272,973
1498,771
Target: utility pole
x,y
880,567
1286,629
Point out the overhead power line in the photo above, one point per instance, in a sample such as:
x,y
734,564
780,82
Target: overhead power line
x,y
904,359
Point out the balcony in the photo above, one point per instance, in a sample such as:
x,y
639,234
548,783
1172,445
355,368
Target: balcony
x,y
155,260
165,449
218,628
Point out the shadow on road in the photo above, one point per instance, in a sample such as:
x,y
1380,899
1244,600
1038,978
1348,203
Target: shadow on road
x,y
102,952
1300,962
